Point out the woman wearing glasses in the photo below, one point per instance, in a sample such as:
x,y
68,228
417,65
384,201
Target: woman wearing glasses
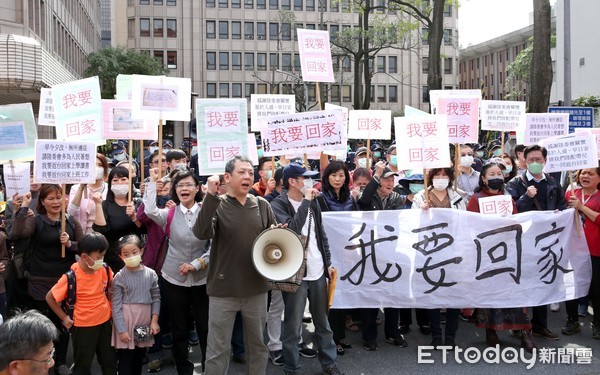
x,y
185,267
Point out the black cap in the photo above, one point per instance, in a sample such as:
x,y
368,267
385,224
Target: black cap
x,y
295,170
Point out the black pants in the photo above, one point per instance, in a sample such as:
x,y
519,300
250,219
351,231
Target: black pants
x,y
62,345
421,314
90,341
179,299
369,331
451,323
539,317
594,294
130,361
337,322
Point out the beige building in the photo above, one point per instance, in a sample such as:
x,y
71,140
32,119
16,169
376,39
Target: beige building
x,y
44,43
234,48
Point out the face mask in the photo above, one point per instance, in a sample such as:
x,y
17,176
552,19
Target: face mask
x,y
268,174
479,154
260,152
377,154
440,184
120,157
194,150
308,184
466,161
508,169
99,173
495,183
120,190
133,261
161,202
535,168
348,149
180,167
497,152
1,196
96,265
415,188
362,162
394,160
152,149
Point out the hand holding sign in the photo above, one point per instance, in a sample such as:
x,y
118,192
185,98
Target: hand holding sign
x,y
26,200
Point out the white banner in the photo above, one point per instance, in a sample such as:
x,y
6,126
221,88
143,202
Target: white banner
x,y
449,258
571,152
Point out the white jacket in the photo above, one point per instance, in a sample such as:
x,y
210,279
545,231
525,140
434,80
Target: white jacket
x,y
457,199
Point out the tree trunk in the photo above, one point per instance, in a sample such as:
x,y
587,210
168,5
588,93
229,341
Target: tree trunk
x,y
434,38
541,67
367,59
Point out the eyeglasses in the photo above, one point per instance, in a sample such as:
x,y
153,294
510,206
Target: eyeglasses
x,y
164,161
187,185
48,361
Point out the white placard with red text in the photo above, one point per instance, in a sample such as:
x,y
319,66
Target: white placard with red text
x,y
502,115
161,98
370,124
341,153
62,162
78,110
496,205
315,55
570,152
266,105
46,110
545,125
435,95
463,118
302,132
422,142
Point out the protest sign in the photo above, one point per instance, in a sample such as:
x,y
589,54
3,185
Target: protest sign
x,y
77,110
595,132
436,95
463,118
302,132
119,124
46,110
64,162
411,111
579,117
222,130
123,83
422,142
502,115
315,55
161,98
342,152
571,152
496,205
370,124
445,258
266,105
545,125
17,133
16,179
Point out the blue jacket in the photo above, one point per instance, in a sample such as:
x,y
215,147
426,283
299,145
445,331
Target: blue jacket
x,y
517,188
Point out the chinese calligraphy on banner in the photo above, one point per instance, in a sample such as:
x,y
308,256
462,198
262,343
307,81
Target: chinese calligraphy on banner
x,y
315,55
571,152
46,110
444,258
343,151
77,110
16,178
119,124
502,115
422,142
545,125
61,162
161,98
463,118
17,133
265,105
370,124
222,128
496,205
302,132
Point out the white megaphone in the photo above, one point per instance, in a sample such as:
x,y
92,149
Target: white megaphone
x,y
277,253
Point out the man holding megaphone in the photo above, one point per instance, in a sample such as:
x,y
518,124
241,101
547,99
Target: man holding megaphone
x,y
296,207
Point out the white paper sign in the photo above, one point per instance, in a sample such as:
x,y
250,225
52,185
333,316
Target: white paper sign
x,y
571,152
411,111
16,179
63,162
46,112
422,142
266,105
315,55
370,124
341,153
158,97
435,95
502,115
595,132
545,125
496,205
445,258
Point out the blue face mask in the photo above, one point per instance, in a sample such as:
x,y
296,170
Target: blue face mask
x,y
394,160
377,154
260,152
415,188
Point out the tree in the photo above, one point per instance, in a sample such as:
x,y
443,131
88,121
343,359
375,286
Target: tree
x,y
432,18
541,65
109,62
374,33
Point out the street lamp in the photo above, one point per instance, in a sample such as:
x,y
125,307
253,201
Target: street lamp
x,y
304,83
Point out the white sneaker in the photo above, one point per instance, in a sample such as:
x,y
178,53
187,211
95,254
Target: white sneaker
x,y
554,307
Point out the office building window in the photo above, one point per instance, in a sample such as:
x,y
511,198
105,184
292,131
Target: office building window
x,y
261,4
335,93
144,27
249,30
249,61
248,90
447,37
236,90
211,60
346,93
172,59
334,5
160,56
393,94
380,64
262,88
381,94
448,65
298,5
211,90
223,60
333,31
171,3
236,30
310,5
286,31
210,29
424,36
248,4
144,2
297,62
171,28
223,3
393,64
237,4
158,2
261,30
223,90
447,10
285,4
158,27
346,64
273,31
286,62
210,3
273,4
223,30
131,28
261,61
274,61
236,61
425,91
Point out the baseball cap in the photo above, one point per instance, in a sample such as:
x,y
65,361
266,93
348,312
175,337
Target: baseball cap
x,y
295,170
116,148
167,143
360,151
388,173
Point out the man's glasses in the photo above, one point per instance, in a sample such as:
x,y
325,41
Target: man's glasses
x,y
48,361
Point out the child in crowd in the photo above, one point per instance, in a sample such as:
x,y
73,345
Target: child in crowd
x,y
136,306
85,287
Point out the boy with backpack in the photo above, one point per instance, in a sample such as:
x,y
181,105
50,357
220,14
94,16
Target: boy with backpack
x,y
86,306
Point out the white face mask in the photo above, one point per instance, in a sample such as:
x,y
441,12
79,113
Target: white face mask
x,y
466,161
440,184
99,173
152,149
362,162
120,190
308,184
120,157
133,261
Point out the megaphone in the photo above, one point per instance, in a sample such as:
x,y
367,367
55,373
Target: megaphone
x,y
277,253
